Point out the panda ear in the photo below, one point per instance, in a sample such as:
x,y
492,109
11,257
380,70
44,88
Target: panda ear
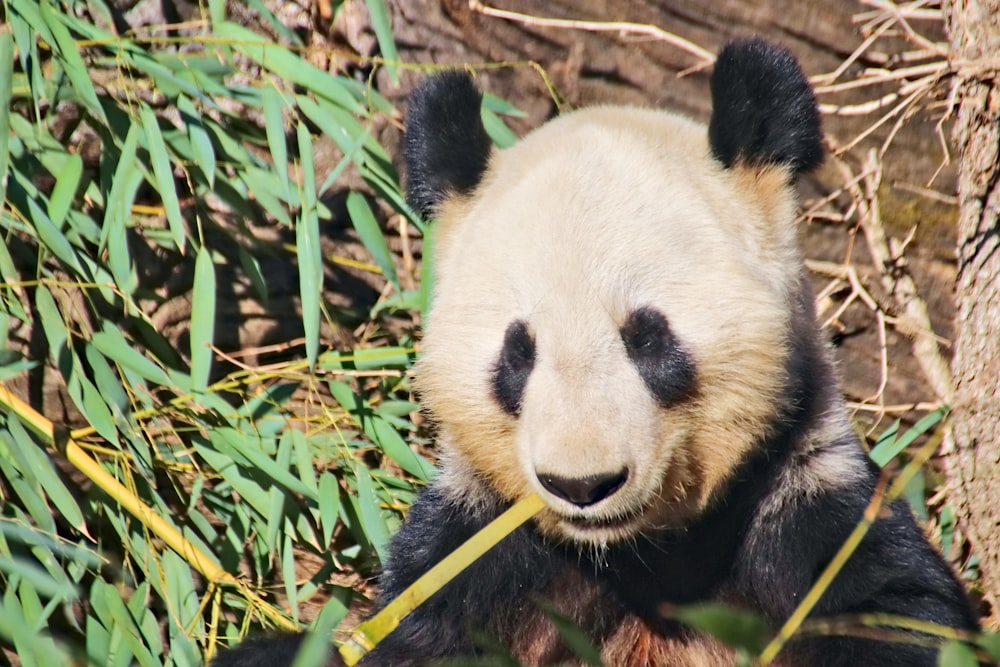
x,y
445,146
764,111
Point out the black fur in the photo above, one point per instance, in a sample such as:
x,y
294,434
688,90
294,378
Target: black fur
x,y
666,368
764,111
510,374
270,651
445,147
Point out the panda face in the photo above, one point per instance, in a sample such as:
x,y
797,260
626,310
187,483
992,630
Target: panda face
x,y
612,318
604,331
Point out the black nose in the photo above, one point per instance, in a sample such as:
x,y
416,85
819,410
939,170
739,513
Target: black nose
x,y
583,491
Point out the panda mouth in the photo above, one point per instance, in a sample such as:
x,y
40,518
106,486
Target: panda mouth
x,y
619,525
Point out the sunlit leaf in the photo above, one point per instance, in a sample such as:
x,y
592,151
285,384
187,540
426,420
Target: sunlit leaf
x,y
308,248
202,319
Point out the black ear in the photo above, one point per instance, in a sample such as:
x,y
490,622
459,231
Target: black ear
x,y
445,146
764,111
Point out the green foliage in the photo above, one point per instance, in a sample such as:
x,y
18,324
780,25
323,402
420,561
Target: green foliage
x,y
176,515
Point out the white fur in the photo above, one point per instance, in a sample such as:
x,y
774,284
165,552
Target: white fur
x,y
596,214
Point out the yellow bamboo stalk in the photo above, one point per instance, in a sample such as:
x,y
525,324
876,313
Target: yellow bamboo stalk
x,y
172,537
111,486
371,632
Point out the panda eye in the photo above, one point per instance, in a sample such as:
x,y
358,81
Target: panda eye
x,y
645,332
664,365
518,350
512,368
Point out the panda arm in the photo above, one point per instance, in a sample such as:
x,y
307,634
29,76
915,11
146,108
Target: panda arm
x,y
485,598
893,571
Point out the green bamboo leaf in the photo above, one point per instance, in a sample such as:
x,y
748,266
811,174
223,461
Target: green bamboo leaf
x,y
275,517
6,91
379,13
124,187
371,235
889,448
31,497
274,125
67,181
288,574
201,142
68,53
957,654
288,66
30,646
267,192
52,322
372,522
53,240
139,608
329,505
737,628
111,343
244,449
202,319
183,598
317,645
98,641
344,128
91,403
42,471
252,268
163,173
381,432
296,440
308,249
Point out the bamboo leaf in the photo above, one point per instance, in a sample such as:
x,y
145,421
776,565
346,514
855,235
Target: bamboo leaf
x,y
202,319
379,13
112,344
69,55
288,66
201,142
889,448
371,235
274,124
40,468
329,505
957,654
52,239
67,181
288,575
317,646
163,173
372,521
6,78
119,209
308,249
381,432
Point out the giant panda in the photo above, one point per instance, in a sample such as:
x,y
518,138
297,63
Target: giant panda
x,y
621,323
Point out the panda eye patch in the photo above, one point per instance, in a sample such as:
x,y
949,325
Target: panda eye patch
x,y
663,364
511,371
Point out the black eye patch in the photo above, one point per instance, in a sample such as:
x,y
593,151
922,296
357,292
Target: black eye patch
x,y
666,367
510,374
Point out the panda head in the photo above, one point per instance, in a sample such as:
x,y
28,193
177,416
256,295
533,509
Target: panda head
x,y
611,324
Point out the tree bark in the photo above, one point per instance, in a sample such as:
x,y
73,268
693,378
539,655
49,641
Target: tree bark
x,y
974,37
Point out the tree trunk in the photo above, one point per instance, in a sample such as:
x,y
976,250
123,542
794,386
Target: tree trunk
x,y
974,36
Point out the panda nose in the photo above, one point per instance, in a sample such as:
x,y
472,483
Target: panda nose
x,y
584,491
